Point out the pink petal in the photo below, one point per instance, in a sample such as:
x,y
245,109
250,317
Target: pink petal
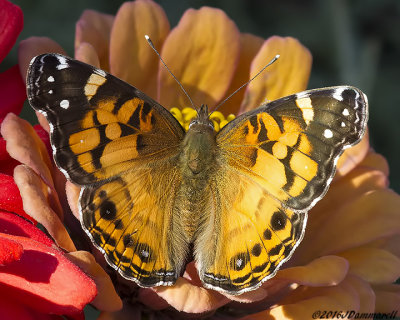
x,y
24,145
46,280
72,192
87,53
12,91
35,198
12,224
11,24
10,251
33,46
94,28
184,296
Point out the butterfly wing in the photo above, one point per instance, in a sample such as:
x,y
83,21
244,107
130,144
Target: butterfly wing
x,y
122,147
275,163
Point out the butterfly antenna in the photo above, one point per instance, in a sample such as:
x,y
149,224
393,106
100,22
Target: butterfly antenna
x,y
245,84
170,72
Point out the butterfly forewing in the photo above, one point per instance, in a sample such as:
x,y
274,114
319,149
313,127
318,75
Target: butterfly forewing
x,y
99,124
276,162
113,140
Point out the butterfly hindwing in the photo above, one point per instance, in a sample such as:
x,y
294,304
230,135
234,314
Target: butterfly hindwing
x,y
276,163
113,140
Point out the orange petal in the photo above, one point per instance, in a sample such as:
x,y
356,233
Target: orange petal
x,y
186,297
34,195
286,76
359,181
324,271
85,52
131,57
351,157
249,46
365,293
202,52
388,299
370,216
107,298
375,161
376,266
32,47
95,28
304,302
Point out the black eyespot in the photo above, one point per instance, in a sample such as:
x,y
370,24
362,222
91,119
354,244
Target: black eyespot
x,y
278,221
108,210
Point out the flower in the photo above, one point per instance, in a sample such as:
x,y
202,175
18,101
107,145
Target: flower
x,y
348,259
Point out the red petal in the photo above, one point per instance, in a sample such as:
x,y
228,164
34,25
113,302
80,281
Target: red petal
x,y
12,91
12,224
10,309
7,167
10,198
7,164
11,24
46,280
10,251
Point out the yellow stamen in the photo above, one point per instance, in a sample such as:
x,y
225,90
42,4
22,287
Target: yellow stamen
x,y
188,114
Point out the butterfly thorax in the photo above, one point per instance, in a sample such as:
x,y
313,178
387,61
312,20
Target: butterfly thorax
x,y
197,163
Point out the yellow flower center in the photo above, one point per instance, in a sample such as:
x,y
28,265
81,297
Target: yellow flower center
x,y
187,114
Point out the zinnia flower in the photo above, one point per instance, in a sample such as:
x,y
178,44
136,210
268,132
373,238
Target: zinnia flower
x,y
349,257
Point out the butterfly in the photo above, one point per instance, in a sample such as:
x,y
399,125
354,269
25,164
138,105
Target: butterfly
x,y
155,197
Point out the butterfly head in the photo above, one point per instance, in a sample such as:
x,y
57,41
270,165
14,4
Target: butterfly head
x,y
202,121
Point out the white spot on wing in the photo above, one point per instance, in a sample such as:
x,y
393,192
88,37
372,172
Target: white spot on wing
x,y
303,94
64,104
50,79
50,91
328,133
337,94
145,253
63,63
100,72
346,112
